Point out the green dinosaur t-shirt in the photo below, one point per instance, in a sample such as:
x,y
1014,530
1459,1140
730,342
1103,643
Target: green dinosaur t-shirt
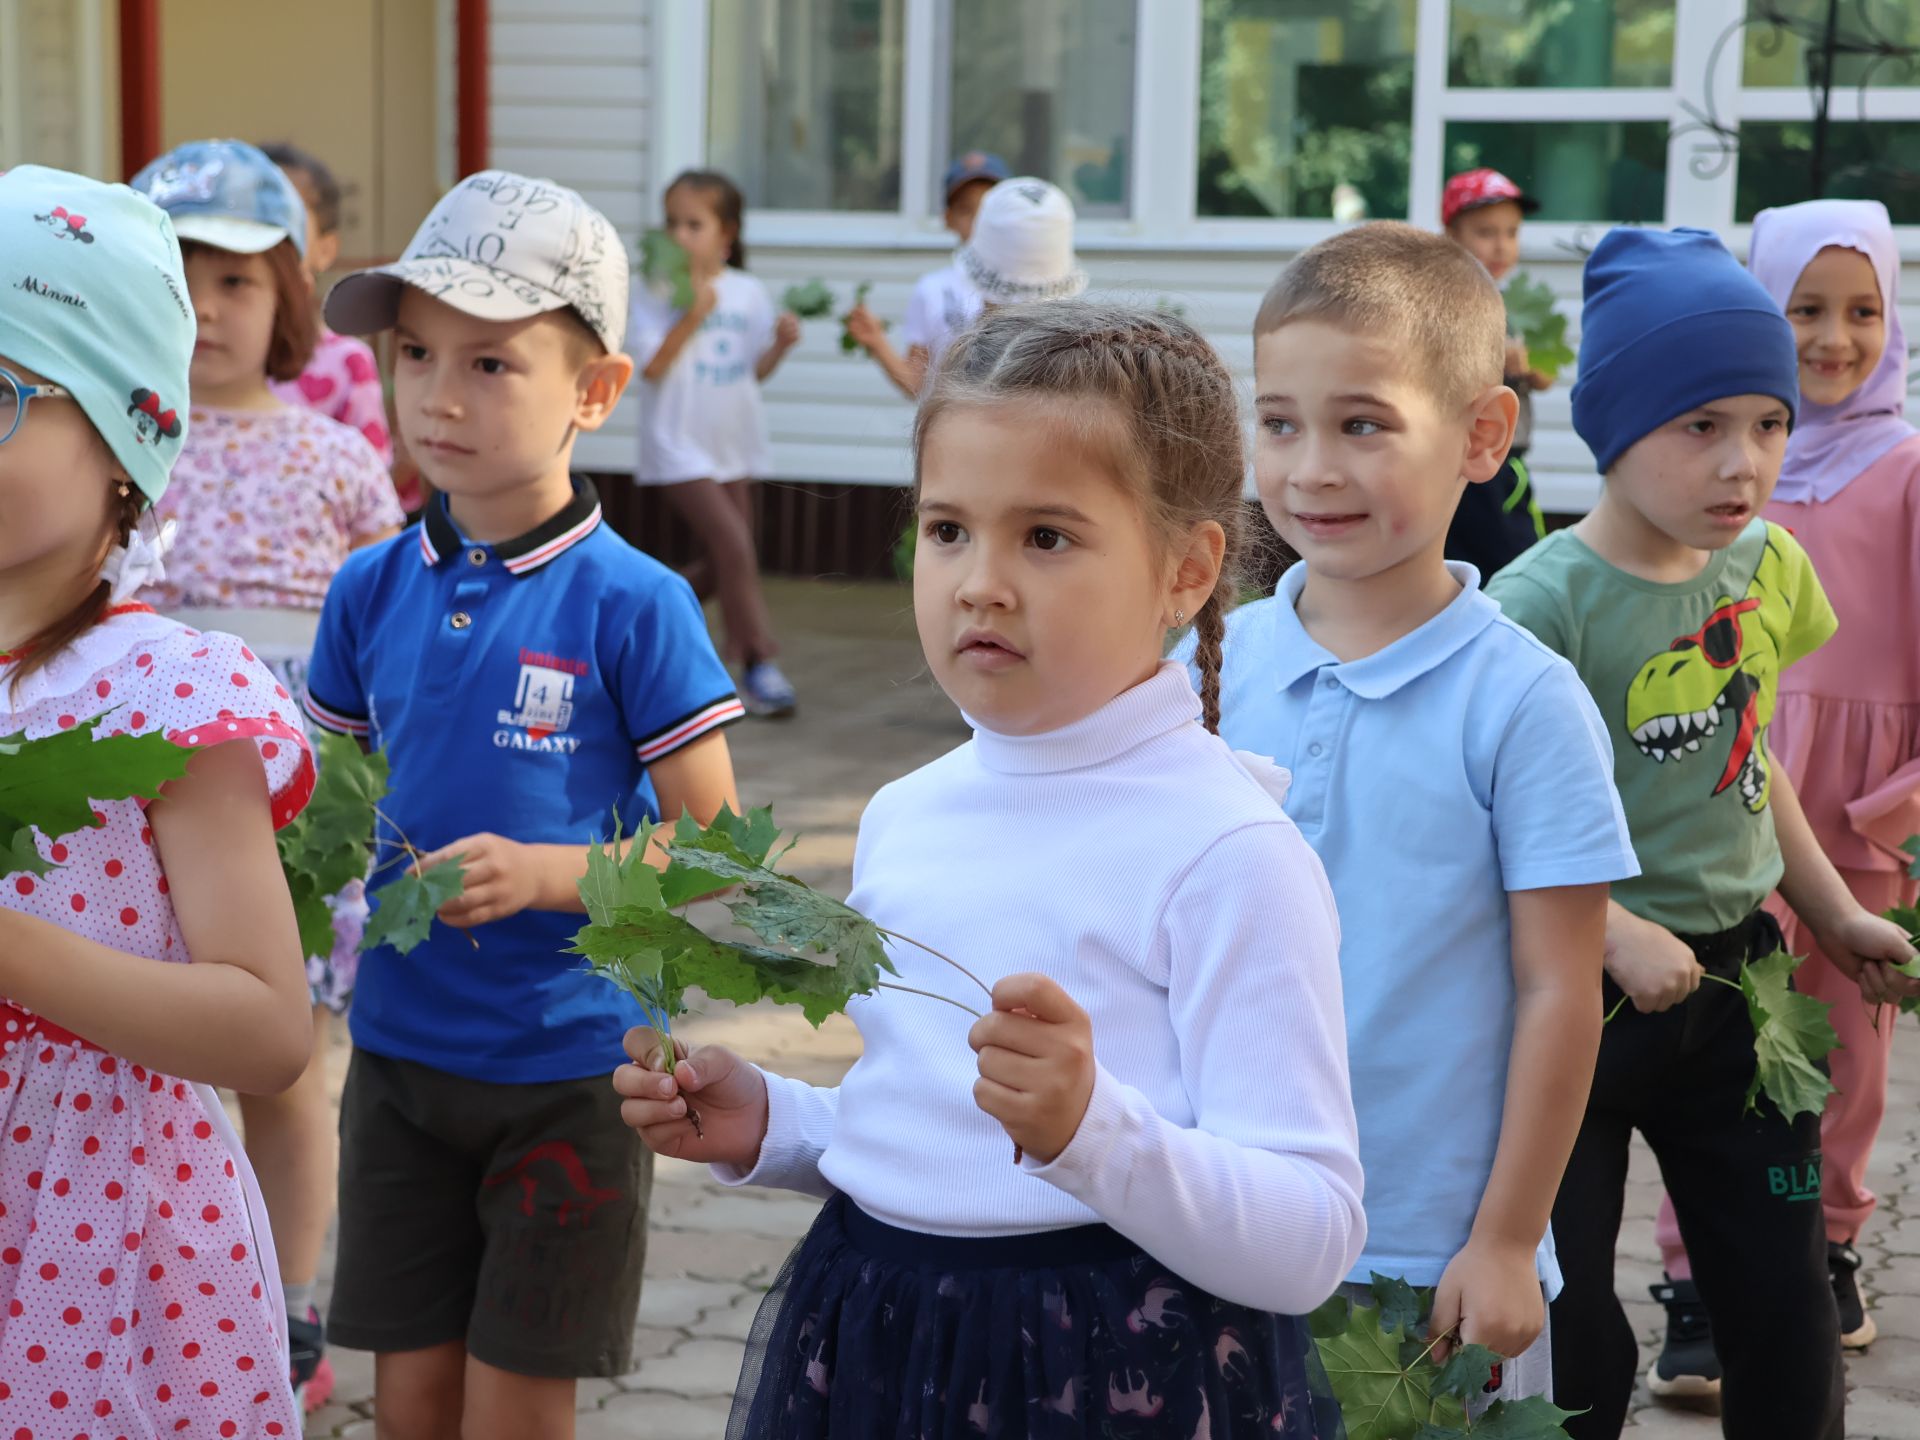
x,y
1685,676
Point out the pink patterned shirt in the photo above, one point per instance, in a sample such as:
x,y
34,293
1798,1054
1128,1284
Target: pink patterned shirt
x,y
269,502
342,382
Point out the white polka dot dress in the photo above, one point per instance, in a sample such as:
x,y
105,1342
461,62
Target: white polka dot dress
x,y
137,1295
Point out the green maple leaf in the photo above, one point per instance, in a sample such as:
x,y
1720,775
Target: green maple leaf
x,y
847,343
1912,847
663,264
1401,1306
1534,1418
1384,1392
638,939
408,904
1791,1035
325,847
52,784
810,301
1467,1371
1531,315
1908,919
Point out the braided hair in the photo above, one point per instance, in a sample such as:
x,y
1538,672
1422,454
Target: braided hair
x,y
1180,447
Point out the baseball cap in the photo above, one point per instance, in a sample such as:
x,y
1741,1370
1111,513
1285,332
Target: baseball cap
x,y
227,194
974,165
1472,189
1022,245
500,246
93,296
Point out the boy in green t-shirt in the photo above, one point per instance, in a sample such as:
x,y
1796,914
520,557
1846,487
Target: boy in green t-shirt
x,y
1679,606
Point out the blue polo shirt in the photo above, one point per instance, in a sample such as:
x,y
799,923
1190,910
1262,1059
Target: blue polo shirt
x,y
1463,761
521,688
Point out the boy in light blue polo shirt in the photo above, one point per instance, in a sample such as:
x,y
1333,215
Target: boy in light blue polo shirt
x,y
1450,771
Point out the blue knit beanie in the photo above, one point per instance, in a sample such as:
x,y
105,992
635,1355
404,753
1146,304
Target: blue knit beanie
x,y
1672,322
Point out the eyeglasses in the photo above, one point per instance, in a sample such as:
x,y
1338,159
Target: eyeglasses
x,y
14,395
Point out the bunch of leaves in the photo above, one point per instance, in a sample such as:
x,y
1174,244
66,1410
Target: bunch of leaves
x,y
52,784
663,265
1531,315
860,292
811,301
326,847
1379,1359
1791,1035
639,937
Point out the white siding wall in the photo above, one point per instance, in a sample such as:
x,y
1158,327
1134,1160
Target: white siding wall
x,y
569,87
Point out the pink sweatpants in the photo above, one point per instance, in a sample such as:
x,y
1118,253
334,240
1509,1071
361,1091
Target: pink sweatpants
x,y
1852,1118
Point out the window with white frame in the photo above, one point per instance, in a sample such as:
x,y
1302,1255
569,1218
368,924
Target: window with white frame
x,y
1048,86
1197,120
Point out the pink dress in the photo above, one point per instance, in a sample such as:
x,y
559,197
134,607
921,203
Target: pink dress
x,y
270,503
139,1295
342,382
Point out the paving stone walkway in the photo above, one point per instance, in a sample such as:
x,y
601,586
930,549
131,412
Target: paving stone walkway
x,y
869,712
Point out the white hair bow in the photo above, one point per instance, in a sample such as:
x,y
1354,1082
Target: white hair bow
x,y
139,562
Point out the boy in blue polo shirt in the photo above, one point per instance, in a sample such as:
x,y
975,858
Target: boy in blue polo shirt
x,y
1449,770
527,673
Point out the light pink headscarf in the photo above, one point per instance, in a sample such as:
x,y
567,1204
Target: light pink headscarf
x,y
1831,444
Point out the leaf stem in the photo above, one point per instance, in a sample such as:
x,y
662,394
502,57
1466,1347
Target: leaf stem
x,y
1615,1010
1721,980
985,989
930,995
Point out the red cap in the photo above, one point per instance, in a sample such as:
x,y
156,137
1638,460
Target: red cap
x,y
1471,189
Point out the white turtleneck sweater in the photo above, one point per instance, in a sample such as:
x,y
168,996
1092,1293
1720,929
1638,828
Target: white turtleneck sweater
x,y
1135,859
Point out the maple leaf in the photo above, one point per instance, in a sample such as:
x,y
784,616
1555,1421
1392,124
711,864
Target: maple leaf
x,y
1791,1035
1911,846
1531,315
1385,1393
325,847
810,301
1401,1306
52,784
1908,919
663,264
1467,1371
408,904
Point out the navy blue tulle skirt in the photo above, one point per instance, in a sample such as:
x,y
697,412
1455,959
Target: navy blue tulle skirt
x,y
877,1333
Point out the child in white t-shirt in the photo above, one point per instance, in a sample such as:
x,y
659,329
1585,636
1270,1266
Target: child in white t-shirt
x,y
703,428
945,301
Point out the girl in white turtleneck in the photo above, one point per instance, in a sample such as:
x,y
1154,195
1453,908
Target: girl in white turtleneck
x,y
1164,1047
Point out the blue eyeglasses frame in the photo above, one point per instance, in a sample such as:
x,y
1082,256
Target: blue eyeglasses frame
x,y
21,394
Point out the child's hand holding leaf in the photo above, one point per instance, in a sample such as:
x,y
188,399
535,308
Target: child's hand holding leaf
x,y
501,878
1490,1292
1036,1064
732,1097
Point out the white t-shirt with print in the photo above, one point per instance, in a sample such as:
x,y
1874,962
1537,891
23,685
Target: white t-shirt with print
x,y
703,419
944,303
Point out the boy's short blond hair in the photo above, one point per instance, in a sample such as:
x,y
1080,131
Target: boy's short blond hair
x,y
1420,290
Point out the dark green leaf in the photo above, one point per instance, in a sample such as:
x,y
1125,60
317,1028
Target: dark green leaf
x,y
1911,845
847,343
407,904
326,846
52,784
20,854
1531,1419
1791,1035
1439,1432
1400,1307
1331,1318
1467,1371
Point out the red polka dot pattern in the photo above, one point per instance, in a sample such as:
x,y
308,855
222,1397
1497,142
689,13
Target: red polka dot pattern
x,y
125,1230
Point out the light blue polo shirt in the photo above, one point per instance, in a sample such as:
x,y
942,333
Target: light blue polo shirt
x,y
521,689
1463,761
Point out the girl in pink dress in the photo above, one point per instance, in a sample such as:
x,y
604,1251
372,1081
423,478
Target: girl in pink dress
x,y
1848,724
155,953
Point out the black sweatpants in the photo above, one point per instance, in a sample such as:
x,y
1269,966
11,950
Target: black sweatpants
x,y
1746,1189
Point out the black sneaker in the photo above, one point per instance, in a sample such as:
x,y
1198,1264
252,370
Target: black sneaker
x,y
1857,1330
1688,1367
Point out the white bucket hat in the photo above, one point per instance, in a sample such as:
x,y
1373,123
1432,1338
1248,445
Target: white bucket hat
x,y
500,246
1022,245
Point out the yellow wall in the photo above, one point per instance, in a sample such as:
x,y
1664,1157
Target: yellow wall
x,y
353,81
